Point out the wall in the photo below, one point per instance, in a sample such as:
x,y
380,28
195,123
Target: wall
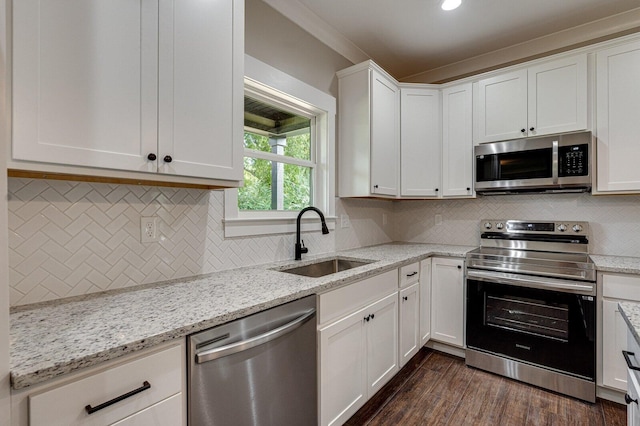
x,y
275,40
73,238
615,227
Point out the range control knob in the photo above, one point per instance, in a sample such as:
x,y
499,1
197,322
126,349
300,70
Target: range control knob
x,y
487,225
562,227
499,225
577,228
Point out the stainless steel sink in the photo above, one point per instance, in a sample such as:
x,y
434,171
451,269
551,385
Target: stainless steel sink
x,y
326,267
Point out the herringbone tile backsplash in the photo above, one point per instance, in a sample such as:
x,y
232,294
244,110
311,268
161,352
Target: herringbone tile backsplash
x,y
73,238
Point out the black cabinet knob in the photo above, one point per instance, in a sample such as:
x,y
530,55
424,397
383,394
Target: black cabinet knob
x,y
436,189
151,157
532,129
372,316
405,298
628,399
523,130
168,159
459,267
468,189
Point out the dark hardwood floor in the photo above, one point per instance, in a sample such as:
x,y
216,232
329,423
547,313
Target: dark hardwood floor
x,y
436,388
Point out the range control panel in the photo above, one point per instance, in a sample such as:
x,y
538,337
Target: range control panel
x,y
534,227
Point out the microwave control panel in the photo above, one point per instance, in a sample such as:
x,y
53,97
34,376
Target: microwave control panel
x,y
573,160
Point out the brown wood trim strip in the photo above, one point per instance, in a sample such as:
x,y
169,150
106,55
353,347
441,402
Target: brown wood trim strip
x,y
27,174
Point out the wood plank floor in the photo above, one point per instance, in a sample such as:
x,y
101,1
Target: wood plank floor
x,y
436,388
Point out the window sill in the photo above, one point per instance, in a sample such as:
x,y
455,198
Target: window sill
x,y
246,227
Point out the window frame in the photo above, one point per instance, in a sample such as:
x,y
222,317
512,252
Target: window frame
x,y
268,83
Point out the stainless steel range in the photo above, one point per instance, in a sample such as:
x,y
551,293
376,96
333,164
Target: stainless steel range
x,y
531,305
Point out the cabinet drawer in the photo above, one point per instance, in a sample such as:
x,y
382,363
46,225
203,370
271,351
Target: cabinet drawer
x,y
165,413
65,405
337,303
409,274
626,287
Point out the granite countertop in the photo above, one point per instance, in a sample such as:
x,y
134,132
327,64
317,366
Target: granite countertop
x,y
631,314
54,338
621,264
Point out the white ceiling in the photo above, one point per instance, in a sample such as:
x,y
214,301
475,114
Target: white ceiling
x,y
409,37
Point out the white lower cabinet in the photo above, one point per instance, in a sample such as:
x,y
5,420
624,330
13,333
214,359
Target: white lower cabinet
x,y
152,386
409,322
447,301
425,301
633,388
615,288
359,350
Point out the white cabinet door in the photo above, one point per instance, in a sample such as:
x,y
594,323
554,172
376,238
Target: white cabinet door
x,y
457,141
502,107
558,96
343,386
409,322
617,104
447,301
201,88
382,342
614,341
425,301
84,82
420,142
385,135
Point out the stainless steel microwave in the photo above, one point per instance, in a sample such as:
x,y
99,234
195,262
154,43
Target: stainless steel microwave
x,y
557,163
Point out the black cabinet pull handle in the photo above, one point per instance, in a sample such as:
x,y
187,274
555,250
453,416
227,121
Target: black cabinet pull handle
x,y
91,410
168,159
626,354
523,130
532,129
151,157
412,274
628,399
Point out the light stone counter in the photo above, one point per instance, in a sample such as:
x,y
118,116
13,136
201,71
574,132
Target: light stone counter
x,y
620,264
54,338
631,314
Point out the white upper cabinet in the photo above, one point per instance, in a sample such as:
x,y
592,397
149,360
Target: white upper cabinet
x,y
502,107
420,142
457,141
126,84
369,132
558,96
547,98
617,107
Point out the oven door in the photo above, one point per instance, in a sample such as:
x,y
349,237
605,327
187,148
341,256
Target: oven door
x,y
547,322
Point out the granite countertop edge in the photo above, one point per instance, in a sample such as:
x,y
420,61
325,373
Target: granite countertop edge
x,y
81,331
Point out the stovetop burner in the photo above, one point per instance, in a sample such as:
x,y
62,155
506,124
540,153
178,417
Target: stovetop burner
x,y
552,249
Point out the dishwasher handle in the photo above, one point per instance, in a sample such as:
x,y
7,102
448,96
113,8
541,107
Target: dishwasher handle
x,y
252,342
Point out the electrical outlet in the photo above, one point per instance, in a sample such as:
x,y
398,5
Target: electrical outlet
x,y
344,221
148,229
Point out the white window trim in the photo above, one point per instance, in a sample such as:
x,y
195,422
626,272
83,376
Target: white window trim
x,y
263,77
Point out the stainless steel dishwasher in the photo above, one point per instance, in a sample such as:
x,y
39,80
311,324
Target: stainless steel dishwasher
x,y
258,370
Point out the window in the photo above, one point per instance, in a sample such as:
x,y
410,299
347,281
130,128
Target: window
x,y
279,160
288,159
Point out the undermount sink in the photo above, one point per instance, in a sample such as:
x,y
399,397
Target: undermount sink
x,y
326,267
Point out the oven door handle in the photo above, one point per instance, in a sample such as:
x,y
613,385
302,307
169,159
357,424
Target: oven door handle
x,y
542,283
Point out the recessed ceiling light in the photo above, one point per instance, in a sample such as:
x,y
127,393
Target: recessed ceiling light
x,y
450,4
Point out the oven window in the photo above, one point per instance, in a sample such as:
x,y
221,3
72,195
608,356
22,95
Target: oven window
x,y
529,316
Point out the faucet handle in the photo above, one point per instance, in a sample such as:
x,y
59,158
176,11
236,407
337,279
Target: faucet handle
x,y
303,249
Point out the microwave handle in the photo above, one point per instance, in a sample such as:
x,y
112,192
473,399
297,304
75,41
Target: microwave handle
x,y
554,161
